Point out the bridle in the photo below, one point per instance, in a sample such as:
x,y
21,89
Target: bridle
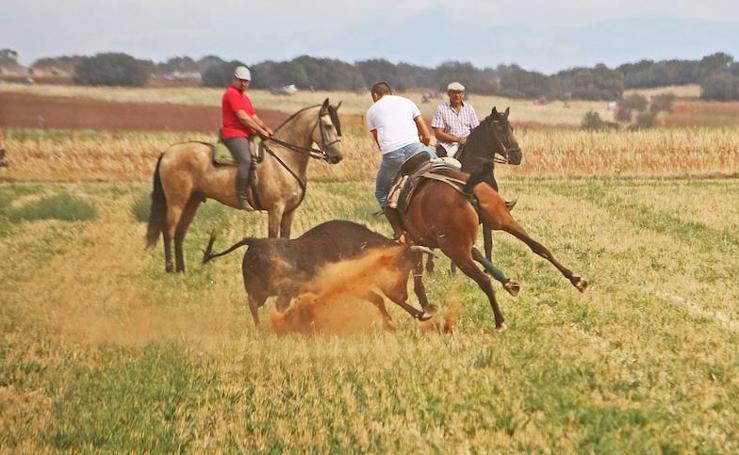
x,y
317,153
502,156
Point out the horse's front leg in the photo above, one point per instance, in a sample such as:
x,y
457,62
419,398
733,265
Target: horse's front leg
x,y
274,220
287,223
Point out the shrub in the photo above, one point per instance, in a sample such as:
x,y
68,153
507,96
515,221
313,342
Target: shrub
x,y
662,103
592,122
62,206
112,69
141,207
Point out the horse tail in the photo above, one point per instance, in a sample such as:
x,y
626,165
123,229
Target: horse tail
x,y
483,175
158,214
208,254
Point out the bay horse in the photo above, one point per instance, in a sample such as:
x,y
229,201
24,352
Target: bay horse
x,y
185,176
486,146
442,216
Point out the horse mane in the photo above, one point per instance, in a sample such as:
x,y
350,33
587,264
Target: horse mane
x,y
295,115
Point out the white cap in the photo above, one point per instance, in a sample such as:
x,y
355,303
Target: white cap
x,y
456,87
243,73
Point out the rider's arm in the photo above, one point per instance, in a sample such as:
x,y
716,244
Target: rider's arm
x,y
249,121
423,130
441,136
263,125
374,134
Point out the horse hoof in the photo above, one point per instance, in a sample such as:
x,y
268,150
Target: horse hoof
x,y
512,288
502,327
581,285
425,316
431,309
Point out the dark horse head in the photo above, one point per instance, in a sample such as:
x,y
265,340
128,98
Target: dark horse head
x,y
494,136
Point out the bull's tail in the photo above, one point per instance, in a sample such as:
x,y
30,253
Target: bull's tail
x,y
208,254
158,215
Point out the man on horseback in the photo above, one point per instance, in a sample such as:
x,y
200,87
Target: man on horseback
x,y
400,132
453,121
240,122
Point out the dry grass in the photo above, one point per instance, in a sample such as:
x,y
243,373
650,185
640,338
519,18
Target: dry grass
x,y
555,113
68,155
680,91
101,351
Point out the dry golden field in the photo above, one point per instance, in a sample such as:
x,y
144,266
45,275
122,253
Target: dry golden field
x,y
101,351
548,153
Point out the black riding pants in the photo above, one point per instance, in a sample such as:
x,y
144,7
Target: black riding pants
x,y
239,148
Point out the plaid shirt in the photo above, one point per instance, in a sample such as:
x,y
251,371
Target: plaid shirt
x,y
455,123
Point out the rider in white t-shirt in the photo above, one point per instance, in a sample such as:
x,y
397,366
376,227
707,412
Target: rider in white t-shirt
x,y
400,131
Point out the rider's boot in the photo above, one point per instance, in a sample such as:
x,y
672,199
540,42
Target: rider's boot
x,y
242,191
396,222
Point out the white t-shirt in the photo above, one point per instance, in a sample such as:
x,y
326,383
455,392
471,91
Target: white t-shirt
x,y
393,118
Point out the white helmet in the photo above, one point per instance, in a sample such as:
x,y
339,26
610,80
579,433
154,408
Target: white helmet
x,y
242,73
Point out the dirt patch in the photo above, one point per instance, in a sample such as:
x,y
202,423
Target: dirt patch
x,y
29,111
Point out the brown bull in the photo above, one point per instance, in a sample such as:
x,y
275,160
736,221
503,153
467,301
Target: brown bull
x,y
281,267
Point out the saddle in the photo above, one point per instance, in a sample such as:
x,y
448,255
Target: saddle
x,y
418,169
222,156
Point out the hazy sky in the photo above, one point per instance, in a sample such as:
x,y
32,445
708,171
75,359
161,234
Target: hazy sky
x,y
544,35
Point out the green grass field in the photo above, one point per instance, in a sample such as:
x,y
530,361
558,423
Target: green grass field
x,y
101,351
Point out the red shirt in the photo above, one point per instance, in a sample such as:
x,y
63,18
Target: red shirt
x,y
233,100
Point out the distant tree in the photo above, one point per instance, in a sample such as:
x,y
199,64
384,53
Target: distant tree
x,y
178,65
112,69
592,122
516,82
720,87
662,103
376,70
64,63
220,74
644,120
598,83
472,78
8,57
206,62
630,104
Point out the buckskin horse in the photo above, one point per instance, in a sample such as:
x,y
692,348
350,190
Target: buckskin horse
x,y
185,176
441,215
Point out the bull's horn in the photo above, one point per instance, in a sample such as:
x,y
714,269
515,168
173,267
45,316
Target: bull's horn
x,y
422,249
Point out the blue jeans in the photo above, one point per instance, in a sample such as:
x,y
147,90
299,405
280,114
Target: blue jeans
x,y
390,166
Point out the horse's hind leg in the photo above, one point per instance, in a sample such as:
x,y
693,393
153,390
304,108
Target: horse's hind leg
x,y
167,242
519,232
495,216
179,238
468,267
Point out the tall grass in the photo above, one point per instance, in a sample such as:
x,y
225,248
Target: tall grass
x,y
663,153
61,206
101,351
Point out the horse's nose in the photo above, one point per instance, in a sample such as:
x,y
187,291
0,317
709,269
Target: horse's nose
x,y
336,158
515,156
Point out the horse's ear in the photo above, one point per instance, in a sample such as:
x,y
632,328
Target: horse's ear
x,y
325,103
338,105
507,111
494,112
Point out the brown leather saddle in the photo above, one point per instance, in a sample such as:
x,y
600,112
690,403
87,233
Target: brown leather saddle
x,y
417,170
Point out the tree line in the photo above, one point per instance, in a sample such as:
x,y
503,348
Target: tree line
x,y
718,75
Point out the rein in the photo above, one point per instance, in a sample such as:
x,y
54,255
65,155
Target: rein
x,y
311,151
